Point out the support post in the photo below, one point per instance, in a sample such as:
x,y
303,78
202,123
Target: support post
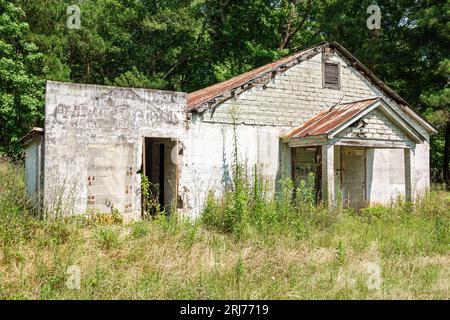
x,y
410,176
285,161
328,192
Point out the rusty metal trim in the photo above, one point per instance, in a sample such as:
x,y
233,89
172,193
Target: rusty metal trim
x,y
34,133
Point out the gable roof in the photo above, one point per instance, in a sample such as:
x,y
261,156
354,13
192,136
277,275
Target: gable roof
x,y
203,99
217,91
388,91
330,118
333,120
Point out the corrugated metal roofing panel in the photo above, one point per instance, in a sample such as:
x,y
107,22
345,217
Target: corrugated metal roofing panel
x,y
330,118
198,97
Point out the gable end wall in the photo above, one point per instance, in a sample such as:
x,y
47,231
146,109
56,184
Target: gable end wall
x,y
378,127
298,94
293,97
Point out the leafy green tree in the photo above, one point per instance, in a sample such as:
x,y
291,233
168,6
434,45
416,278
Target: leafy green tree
x,y
433,20
21,89
405,53
439,113
189,44
136,79
47,21
163,40
250,33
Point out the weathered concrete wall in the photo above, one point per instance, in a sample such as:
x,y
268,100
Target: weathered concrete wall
x,y
94,135
298,94
295,96
385,174
207,161
422,167
93,144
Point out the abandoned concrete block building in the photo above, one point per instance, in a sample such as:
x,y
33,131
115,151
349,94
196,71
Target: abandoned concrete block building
x,y
319,110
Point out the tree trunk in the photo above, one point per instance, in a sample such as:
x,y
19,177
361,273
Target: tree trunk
x,y
446,169
291,29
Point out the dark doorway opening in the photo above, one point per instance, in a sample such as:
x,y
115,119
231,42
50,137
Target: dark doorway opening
x,y
160,170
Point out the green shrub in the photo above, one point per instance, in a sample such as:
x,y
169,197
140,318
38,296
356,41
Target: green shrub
x,y
305,195
107,238
140,229
284,198
376,212
212,215
190,233
341,254
150,196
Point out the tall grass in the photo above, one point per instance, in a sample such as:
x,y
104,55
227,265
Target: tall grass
x,y
249,205
248,244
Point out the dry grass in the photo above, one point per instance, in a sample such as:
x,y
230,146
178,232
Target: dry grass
x,y
165,259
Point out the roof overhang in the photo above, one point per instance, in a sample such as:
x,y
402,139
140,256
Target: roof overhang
x,y
33,135
209,97
212,96
389,112
325,127
349,142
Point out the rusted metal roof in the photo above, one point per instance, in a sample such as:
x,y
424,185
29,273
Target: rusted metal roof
x,y
196,98
220,92
330,118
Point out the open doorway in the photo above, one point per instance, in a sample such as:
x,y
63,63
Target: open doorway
x,y
349,173
353,177
161,173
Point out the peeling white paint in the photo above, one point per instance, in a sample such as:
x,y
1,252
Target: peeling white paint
x,y
80,116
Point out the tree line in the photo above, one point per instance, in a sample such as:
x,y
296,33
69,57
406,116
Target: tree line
x,y
189,44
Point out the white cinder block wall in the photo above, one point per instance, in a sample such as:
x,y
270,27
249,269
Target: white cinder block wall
x,y
93,144
81,115
297,95
207,163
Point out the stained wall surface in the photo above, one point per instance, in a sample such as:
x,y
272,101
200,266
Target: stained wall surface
x,y
93,144
298,94
94,135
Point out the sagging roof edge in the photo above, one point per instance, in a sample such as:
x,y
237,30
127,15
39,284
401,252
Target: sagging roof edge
x,y
220,98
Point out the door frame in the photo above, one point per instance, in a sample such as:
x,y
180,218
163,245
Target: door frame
x,y
364,173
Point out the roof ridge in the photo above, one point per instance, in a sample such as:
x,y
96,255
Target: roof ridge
x,y
202,96
351,102
215,94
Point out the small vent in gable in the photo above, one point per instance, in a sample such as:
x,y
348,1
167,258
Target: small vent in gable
x,y
331,75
